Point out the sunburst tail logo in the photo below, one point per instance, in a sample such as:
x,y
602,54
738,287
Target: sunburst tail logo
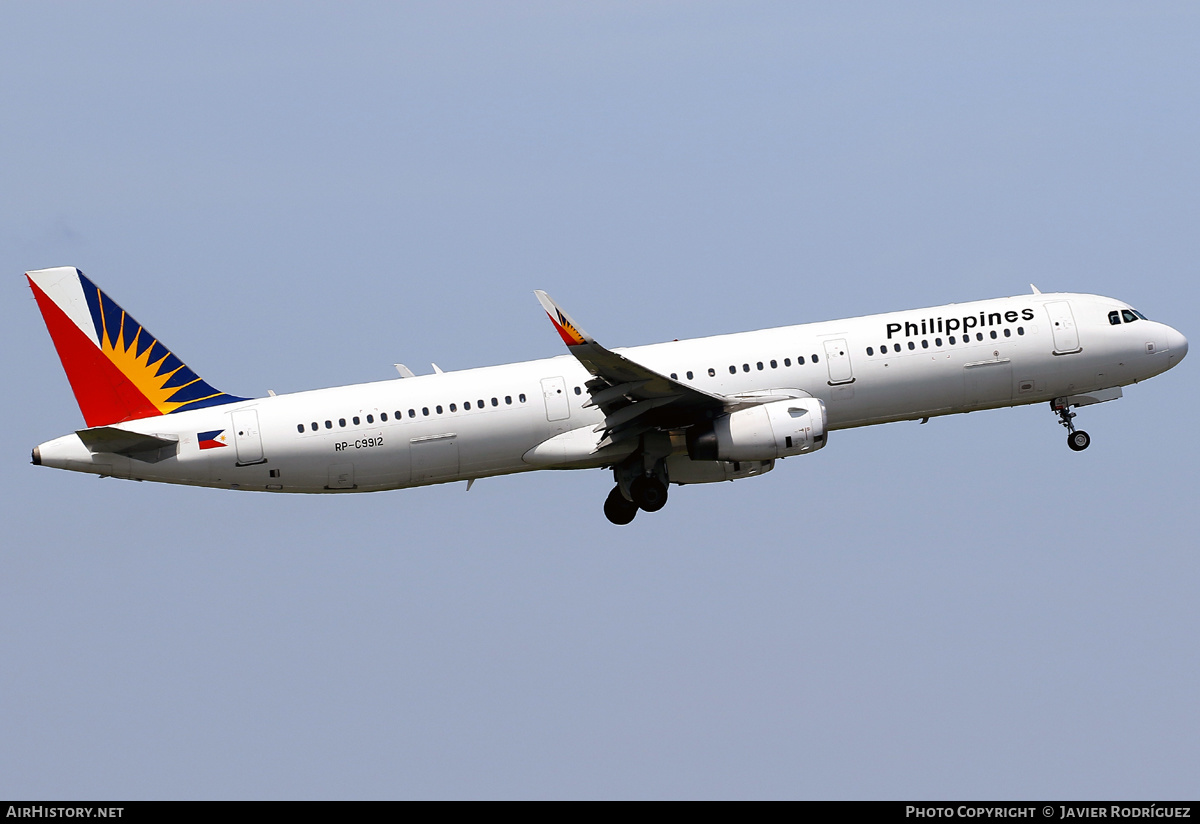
x,y
118,370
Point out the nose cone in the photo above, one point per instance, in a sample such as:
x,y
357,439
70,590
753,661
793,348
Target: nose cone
x,y
1178,345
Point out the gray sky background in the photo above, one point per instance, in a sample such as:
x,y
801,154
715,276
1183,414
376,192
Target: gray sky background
x,y
299,195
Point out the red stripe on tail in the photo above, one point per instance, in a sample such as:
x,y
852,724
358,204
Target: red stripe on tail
x,y
104,395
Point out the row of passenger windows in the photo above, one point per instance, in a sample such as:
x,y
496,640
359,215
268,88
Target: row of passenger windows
x,y
760,366
425,412
690,376
937,342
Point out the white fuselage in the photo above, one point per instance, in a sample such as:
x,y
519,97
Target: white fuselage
x,y
490,421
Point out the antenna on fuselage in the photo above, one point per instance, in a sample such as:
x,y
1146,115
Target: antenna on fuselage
x,y
1036,290
404,371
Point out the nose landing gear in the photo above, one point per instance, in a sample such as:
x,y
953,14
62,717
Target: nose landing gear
x,y
1077,439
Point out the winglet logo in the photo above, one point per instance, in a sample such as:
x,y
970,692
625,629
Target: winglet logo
x,y
569,333
212,440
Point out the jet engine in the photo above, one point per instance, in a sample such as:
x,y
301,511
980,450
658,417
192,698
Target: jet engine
x,y
761,433
682,470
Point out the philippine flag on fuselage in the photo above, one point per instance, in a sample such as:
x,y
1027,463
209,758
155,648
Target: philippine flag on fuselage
x,y
212,440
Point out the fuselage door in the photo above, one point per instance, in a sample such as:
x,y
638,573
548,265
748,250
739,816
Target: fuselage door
x,y
246,437
554,390
1062,324
837,358
434,458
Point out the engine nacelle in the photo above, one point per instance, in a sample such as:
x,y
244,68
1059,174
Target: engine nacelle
x,y
683,470
761,433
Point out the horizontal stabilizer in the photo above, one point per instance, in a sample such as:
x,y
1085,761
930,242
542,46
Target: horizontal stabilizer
x,y
147,448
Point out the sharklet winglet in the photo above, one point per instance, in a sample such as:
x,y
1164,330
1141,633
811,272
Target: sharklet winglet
x,y
568,330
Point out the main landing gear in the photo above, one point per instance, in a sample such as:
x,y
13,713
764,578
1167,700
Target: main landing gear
x,y
1077,439
641,483
617,509
649,494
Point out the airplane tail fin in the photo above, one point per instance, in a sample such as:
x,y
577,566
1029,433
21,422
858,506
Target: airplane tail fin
x,y
117,369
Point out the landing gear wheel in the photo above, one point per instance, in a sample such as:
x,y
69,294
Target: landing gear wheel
x,y
648,493
617,509
1078,440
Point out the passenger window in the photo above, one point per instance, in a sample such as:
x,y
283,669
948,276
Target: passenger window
x,y
412,413
1114,317
356,420
579,391
951,339
299,427
383,416
314,426
479,403
870,350
712,373
760,366
453,407
425,411
937,341
674,377
787,361
508,399
689,374
438,409
816,359
1128,316
745,367
978,336
774,364
341,421
495,402
912,345
370,419
733,370
1007,333
521,397
800,361
1020,330
924,344
329,424
466,404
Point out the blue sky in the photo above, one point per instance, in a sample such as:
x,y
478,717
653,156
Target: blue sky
x,y
300,196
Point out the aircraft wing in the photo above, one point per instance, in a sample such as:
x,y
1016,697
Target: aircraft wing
x,y
633,397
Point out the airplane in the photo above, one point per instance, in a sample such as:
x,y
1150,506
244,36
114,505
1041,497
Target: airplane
x,y
684,412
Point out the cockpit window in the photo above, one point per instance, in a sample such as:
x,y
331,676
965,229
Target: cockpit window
x,y
1114,317
1140,315
1128,316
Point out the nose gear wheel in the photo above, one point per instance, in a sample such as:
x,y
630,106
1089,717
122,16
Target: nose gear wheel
x,y
1077,439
